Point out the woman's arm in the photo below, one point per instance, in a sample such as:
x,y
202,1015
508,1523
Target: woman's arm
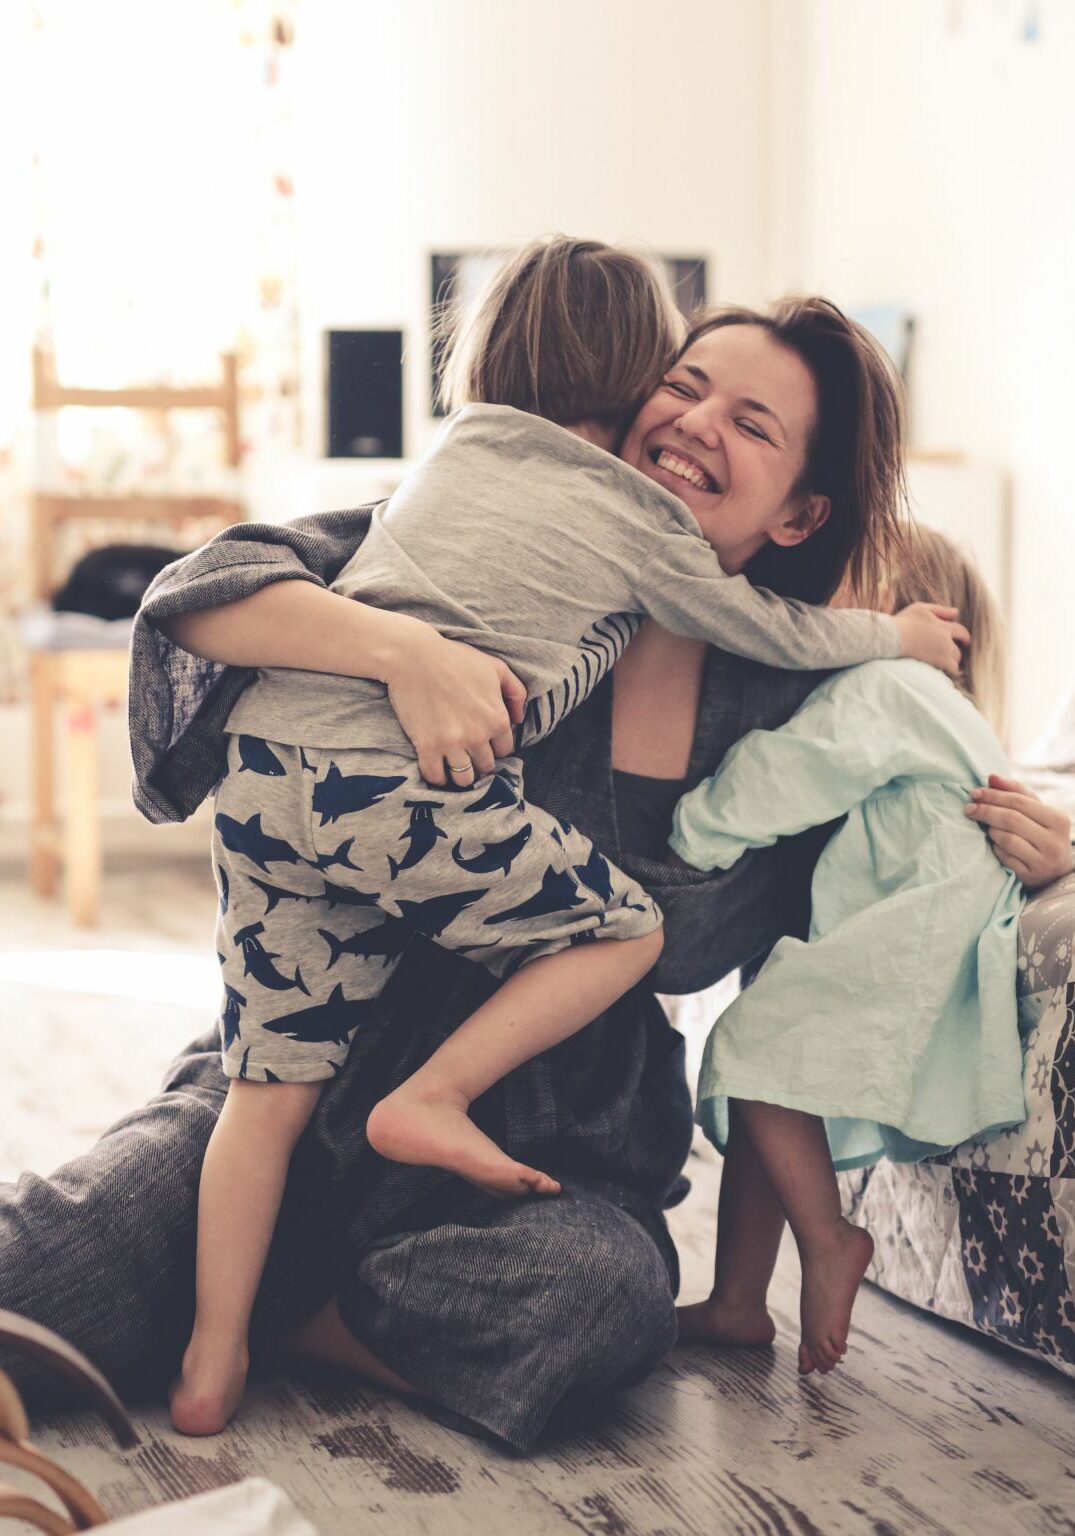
x,y
1030,838
455,703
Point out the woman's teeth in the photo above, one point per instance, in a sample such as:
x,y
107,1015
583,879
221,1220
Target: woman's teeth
x,y
686,471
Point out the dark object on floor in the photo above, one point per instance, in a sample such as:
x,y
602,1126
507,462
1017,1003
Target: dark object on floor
x,y
110,582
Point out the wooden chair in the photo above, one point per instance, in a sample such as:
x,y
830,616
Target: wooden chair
x,y
83,1513
85,680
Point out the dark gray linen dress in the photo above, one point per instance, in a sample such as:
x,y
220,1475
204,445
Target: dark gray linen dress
x,y
505,1316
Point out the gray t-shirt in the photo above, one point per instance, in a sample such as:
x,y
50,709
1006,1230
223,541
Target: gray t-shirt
x,y
520,538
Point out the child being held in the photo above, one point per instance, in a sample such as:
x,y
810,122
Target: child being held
x,y
892,1030
520,533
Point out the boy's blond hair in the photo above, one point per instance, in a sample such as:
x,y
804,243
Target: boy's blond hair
x,y
572,330
938,571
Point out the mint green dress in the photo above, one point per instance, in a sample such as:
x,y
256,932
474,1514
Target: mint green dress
x,y
896,1020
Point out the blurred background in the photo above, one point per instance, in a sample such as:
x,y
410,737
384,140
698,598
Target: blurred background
x,y
225,228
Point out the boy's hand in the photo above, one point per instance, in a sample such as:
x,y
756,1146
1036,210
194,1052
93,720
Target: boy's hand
x,y
1030,838
457,705
933,635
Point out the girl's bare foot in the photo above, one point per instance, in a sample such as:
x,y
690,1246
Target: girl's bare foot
x,y
432,1128
832,1271
209,1388
726,1321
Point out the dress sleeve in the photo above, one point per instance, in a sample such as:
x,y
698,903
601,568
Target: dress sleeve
x,y
178,703
851,736
681,584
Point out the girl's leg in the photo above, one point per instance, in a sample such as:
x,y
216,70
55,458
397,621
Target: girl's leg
x,y
242,1184
750,1223
834,1254
425,1120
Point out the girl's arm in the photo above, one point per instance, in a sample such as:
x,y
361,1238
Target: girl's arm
x,y
851,736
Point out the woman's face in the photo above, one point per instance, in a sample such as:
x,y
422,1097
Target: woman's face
x,y
727,431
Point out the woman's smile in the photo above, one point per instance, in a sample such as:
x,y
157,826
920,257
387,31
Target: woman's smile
x,y
674,465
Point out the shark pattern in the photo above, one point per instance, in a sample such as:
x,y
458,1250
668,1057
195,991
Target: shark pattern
x,y
389,939
234,1002
250,839
340,794
275,894
422,833
344,896
327,860
558,893
431,917
259,962
596,875
501,794
256,756
332,1022
494,855
225,889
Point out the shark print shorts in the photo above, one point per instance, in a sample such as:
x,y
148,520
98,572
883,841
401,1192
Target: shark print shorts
x,y
329,862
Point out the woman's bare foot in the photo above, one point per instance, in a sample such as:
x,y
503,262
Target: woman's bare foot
x,y
426,1126
726,1321
208,1389
832,1271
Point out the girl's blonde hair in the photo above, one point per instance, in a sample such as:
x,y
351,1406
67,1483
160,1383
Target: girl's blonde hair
x,y
935,570
572,330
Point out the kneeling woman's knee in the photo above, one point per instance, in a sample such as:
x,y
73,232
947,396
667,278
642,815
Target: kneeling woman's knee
x,y
616,1295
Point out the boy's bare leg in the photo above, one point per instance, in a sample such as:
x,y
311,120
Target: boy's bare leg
x,y
750,1223
425,1120
325,1339
834,1254
242,1184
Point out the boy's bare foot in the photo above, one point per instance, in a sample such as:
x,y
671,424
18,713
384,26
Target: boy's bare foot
x,y
421,1125
832,1271
724,1321
208,1389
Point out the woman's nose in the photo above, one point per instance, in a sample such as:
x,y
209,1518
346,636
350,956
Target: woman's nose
x,y
702,425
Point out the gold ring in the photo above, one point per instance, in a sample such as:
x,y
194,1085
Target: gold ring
x,y
462,767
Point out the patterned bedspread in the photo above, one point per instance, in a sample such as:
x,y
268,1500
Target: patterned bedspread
x,y
986,1236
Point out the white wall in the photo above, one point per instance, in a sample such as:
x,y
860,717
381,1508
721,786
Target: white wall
x,y
440,126
448,124
924,153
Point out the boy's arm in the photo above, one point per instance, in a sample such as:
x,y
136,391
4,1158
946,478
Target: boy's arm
x,y
682,586
844,742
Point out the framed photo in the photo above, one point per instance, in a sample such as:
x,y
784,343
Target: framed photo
x,y
457,277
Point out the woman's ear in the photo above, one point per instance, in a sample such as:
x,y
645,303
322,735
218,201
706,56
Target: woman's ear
x,y
798,524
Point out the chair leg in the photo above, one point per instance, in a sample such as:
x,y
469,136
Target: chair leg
x,y
82,834
44,864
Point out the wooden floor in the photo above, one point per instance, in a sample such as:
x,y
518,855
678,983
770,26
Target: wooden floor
x,y
926,1429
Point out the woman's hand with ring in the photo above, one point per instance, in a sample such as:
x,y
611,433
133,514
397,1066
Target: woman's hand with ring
x,y
456,704
1030,838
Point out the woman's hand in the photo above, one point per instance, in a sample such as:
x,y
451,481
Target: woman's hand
x,y
932,634
1030,838
457,705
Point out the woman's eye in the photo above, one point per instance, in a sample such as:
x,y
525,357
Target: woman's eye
x,y
754,430
680,388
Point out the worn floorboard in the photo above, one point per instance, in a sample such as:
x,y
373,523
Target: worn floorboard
x,y
926,1429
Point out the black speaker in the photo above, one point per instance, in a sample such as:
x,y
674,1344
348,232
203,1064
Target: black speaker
x,y
364,394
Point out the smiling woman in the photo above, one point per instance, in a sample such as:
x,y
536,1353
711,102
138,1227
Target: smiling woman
x,y
776,428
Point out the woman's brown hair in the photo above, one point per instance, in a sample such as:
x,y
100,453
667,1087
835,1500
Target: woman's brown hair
x,y
855,456
572,330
